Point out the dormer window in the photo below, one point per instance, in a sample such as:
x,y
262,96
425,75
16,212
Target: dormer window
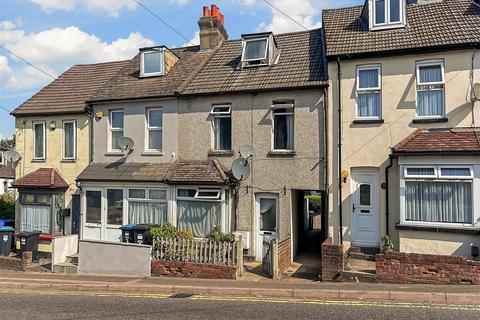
x,y
387,14
152,62
258,50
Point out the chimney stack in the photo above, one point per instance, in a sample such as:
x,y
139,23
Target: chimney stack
x,y
212,31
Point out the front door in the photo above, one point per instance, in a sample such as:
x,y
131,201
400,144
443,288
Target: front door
x,y
365,209
266,220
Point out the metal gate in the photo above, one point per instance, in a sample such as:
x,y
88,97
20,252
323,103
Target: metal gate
x,y
268,256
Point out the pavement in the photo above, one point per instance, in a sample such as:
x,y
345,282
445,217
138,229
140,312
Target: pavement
x,y
46,282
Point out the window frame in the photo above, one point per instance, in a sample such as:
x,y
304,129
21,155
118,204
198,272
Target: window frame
x,y
3,162
388,23
112,129
378,89
200,198
144,74
149,128
426,63
147,195
244,48
216,115
44,155
274,109
74,157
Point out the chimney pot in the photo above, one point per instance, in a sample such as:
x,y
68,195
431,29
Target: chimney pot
x,y
212,30
206,11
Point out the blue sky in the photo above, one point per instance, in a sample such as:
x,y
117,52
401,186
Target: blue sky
x,y
56,34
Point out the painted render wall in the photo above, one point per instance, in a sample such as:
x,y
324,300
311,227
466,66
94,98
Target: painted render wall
x,y
135,128
252,125
368,145
69,169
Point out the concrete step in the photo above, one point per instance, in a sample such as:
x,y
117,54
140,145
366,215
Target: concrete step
x,y
361,256
65,268
73,259
358,276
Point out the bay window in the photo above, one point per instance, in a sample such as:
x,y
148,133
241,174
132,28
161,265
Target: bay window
x,y
430,89
116,128
147,206
283,126
438,194
222,127
369,95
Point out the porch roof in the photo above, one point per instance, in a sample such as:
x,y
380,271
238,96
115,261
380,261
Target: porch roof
x,y
43,178
456,141
178,172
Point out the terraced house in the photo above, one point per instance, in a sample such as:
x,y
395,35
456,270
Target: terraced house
x,y
403,119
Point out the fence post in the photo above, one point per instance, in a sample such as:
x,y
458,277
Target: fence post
x,y
239,252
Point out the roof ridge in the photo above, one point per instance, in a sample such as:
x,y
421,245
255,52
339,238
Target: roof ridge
x,y
100,63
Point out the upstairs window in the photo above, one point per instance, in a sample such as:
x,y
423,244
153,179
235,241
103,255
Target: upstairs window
x,y
222,127
430,89
283,126
116,128
255,49
259,49
2,159
69,140
39,140
151,63
369,94
154,128
388,12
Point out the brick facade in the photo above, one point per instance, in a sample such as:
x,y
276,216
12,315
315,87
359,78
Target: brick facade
x,y
397,267
16,264
284,255
332,261
163,268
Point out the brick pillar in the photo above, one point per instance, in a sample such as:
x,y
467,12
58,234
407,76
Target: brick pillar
x,y
332,261
26,259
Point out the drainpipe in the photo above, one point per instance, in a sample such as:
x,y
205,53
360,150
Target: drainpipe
x,y
340,182
325,156
387,200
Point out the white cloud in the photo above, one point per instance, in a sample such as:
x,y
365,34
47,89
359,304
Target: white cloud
x,y
179,2
195,40
110,7
56,50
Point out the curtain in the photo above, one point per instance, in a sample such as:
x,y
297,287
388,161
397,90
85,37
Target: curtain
x,y
283,132
255,49
69,137
432,201
39,141
430,103
429,74
35,218
198,217
268,214
223,133
421,171
369,104
368,79
147,212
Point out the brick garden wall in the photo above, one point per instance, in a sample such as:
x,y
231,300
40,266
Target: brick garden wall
x,y
163,268
16,264
398,267
332,260
284,255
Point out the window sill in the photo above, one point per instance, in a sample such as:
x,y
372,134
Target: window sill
x,y
429,120
152,153
39,160
221,153
368,121
447,229
114,154
68,161
285,154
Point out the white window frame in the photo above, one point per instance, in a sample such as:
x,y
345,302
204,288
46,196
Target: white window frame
x,y
291,111
437,178
142,63
418,176
44,156
2,158
152,128
368,90
112,129
427,63
74,140
214,114
387,24
244,45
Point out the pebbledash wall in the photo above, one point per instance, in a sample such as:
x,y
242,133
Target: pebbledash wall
x,y
69,169
367,146
252,125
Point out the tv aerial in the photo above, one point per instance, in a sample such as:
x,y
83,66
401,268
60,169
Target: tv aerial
x,y
246,151
240,169
126,144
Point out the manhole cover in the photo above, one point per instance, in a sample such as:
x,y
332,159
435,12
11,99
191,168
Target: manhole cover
x,y
181,295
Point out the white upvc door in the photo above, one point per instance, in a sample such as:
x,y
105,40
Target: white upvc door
x,y
92,204
365,216
266,220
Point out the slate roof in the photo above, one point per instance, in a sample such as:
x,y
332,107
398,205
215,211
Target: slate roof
x,y
437,24
178,172
434,141
68,93
300,65
43,178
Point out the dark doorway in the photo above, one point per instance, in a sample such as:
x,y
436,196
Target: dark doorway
x,y
76,214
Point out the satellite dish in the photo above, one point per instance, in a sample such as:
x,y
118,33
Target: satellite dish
x,y
12,155
241,169
246,151
125,143
476,91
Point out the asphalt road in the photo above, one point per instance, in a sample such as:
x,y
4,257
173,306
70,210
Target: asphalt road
x,y
53,306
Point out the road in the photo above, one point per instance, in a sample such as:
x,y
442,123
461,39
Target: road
x,y
63,305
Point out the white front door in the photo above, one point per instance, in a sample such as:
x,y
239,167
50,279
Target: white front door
x,y
365,194
266,220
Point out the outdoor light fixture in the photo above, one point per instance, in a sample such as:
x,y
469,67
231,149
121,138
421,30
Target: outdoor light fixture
x,y
53,125
344,176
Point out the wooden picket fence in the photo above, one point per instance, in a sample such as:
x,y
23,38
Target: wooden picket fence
x,y
198,251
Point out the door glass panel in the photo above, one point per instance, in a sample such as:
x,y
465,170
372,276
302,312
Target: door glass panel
x,y
115,206
94,207
268,214
365,195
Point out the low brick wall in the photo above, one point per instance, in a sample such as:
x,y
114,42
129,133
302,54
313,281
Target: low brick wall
x,y
398,267
332,261
284,255
164,268
16,264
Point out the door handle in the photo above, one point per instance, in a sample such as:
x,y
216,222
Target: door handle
x,y
353,207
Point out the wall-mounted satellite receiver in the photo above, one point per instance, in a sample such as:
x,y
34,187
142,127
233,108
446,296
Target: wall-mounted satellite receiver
x,y
476,91
12,156
126,144
240,169
246,151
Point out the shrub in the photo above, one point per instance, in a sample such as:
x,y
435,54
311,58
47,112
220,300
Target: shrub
x,y
218,235
7,206
166,231
185,234
387,245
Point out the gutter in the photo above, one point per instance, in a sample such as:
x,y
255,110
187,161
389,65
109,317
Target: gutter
x,y
340,182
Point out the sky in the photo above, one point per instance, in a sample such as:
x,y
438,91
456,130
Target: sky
x,y
56,34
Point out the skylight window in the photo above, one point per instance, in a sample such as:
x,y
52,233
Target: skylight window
x,y
151,63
